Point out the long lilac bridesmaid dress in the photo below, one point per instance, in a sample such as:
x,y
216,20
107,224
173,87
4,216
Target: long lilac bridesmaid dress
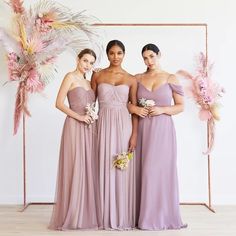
x,y
117,187
156,152
75,203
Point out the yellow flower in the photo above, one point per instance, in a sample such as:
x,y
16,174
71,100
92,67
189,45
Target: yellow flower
x,y
122,160
215,111
23,36
130,155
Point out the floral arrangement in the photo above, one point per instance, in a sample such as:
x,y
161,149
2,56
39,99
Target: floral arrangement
x,y
206,93
39,35
143,102
122,160
91,111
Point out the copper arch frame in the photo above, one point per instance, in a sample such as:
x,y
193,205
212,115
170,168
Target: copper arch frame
x,y
208,204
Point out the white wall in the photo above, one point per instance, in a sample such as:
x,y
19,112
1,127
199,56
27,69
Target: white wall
x,y
44,128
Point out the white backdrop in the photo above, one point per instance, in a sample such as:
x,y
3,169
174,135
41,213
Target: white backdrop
x,y
178,45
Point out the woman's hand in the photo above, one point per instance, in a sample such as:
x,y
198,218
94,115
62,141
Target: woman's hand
x,y
155,111
132,143
142,111
86,119
139,111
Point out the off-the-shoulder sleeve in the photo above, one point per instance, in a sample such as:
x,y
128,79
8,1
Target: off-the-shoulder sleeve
x,y
177,89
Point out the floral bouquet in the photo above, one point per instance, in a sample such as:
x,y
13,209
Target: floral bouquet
x,y
122,160
91,111
143,102
34,42
206,93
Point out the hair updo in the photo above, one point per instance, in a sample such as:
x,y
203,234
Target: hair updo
x,y
151,47
115,42
87,51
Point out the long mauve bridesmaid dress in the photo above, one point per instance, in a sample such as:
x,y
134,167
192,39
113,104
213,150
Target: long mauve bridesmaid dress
x,y
117,187
156,153
75,202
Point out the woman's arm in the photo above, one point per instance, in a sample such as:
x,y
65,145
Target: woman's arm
x,y
170,110
139,111
135,109
94,81
61,96
133,100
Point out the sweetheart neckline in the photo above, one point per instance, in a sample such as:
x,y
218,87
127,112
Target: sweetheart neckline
x,y
87,90
154,90
113,85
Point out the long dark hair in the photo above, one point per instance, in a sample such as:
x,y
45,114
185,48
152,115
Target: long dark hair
x,y
113,43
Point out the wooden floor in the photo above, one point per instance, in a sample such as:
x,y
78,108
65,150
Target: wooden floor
x,y
201,222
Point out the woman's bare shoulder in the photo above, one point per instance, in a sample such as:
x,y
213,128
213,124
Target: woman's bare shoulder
x,y
139,76
172,79
99,73
69,77
132,80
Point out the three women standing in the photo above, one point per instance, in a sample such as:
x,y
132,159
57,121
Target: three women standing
x,y
91,193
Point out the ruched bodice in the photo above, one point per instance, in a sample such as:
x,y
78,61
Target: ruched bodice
x,y
116,187
79,97
112,95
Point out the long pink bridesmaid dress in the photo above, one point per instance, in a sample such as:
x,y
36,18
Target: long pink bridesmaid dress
x,y
75,203
157,154
117,187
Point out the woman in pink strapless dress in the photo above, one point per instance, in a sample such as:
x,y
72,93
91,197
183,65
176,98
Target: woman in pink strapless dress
x,y
75,203
116,134
156,145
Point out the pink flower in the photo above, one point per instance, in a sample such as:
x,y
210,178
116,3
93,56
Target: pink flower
x,y
44,23
33,84
13,66
204,115
203,89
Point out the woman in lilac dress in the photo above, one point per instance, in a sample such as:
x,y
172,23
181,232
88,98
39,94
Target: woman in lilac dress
x,y
156,145
75,203
116,134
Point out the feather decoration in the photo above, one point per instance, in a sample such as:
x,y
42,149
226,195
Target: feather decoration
x,y
211,133
67,23
20,105
17,6
35,44
22,34
8,42
39,36
47,73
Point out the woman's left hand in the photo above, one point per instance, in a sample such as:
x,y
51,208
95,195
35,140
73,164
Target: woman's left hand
x,y
155,111
132,143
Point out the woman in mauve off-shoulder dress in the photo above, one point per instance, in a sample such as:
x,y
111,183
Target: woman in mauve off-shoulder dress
x,y
157,194
75,204
116,134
